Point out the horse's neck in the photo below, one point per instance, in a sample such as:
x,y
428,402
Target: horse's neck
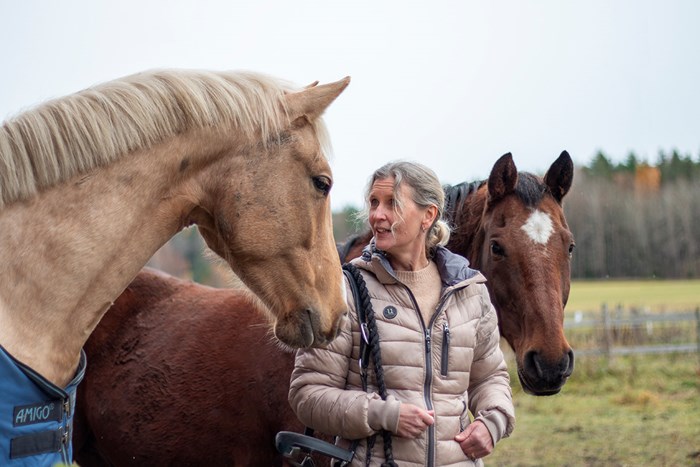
x,y
468,236
70,251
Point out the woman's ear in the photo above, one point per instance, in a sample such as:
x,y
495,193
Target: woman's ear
x,y
429,217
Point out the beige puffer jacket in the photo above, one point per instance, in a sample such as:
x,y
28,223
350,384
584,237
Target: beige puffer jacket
x,y
451,365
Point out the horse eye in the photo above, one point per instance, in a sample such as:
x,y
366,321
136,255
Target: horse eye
x,y
571,249
497,250
322,184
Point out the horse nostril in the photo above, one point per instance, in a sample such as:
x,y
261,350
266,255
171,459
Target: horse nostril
x,y
532,361
570,364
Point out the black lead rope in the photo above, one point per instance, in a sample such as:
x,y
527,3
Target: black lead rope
x,y
369,340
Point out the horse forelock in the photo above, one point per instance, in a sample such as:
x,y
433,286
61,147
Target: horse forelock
x,y
530,189
71,135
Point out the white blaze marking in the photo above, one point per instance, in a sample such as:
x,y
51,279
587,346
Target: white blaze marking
x,y
538,227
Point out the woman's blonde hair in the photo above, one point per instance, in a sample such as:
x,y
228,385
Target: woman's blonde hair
x,y
426,191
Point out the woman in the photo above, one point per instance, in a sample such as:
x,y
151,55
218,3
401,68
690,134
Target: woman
x,y
438,337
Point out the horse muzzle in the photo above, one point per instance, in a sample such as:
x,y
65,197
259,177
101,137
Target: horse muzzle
x,y
303,329
540,377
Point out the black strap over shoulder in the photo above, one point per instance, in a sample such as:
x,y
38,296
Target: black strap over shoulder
x,y
369,342
351,272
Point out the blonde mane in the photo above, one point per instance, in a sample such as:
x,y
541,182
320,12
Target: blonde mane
x,y
69,136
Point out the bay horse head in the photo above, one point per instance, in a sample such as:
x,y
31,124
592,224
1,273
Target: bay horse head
x,y
514,231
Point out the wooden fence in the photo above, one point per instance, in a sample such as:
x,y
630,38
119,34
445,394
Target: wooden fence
x,y
624,332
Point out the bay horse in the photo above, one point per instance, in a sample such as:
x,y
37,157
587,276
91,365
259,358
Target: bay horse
x,y
92,184
175,379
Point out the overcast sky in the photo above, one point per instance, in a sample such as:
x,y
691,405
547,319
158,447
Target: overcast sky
x,y
451,84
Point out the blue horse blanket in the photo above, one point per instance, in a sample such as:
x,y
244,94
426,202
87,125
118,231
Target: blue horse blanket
x,y
36,416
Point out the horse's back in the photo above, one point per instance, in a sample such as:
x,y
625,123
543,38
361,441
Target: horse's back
x,y
188,368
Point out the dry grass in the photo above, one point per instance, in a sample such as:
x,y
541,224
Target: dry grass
x,y
631,411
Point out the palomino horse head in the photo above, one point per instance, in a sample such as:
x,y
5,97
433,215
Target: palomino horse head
x,y
92,184
523,245
271,220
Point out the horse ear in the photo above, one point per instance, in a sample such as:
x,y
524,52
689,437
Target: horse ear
x,y
560,176
504,176
313,100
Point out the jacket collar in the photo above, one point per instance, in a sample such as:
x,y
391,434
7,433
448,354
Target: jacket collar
x,y
454,269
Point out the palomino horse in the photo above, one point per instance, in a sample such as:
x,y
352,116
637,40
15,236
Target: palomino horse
x,y
92,184
165,380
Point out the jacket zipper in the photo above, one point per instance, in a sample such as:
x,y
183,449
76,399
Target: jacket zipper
x,y
427,383
445,349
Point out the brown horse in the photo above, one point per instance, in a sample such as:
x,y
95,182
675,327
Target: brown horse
x,y
514,231
92,184
175,379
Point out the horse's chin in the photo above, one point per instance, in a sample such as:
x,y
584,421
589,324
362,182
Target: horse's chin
x,y
534,389
541,377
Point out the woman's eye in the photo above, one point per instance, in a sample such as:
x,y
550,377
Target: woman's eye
x,y
322,184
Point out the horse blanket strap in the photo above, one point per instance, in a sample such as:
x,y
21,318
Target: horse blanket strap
x,y
36,416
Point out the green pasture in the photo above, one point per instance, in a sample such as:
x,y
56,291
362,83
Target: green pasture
x,y
654,295
628,411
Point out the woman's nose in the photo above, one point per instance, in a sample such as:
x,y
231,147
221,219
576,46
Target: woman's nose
x,y
380,213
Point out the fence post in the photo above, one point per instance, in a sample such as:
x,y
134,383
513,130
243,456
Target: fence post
x,y
607,331
697,328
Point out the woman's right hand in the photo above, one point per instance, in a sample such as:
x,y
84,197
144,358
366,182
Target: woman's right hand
x,y
413,420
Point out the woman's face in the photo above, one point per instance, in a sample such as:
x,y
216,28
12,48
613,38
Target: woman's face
x,y
407,238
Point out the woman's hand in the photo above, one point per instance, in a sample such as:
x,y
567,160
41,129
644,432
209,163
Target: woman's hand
x,y
475,441
413,420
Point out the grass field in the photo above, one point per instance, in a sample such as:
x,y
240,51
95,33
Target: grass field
x,y
631,411
655,295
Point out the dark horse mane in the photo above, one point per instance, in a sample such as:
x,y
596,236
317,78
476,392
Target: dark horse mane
x,y
455,196
529,188
344,248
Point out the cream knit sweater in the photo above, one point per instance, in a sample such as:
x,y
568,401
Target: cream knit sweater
x,y
425,286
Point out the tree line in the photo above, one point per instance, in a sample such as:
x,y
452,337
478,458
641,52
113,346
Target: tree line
x,y
635,219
